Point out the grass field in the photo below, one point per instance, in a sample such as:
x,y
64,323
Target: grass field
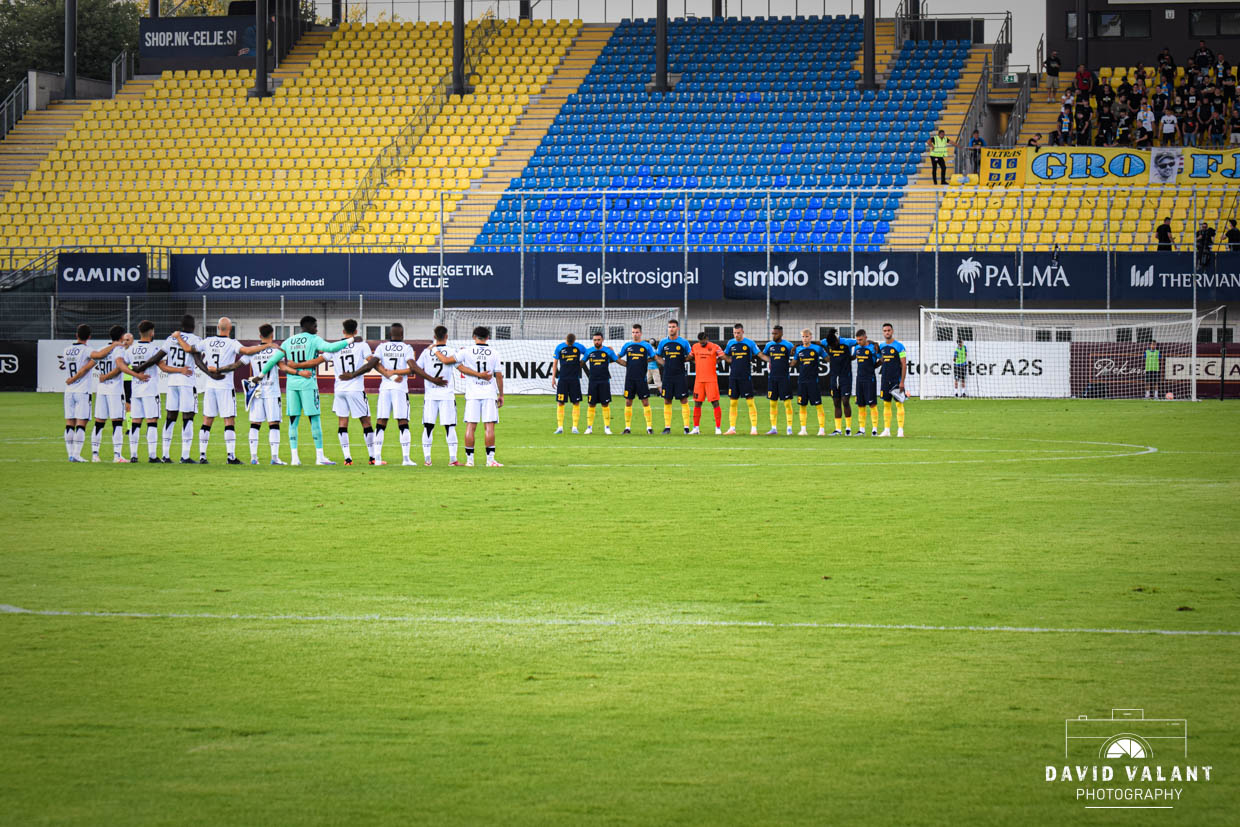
x,y
623,629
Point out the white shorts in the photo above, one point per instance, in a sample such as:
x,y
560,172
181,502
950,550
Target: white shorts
x,y
77,405
144,407
481,410
109,406
264,408
182,399
351,403
393,405
442,409
220,402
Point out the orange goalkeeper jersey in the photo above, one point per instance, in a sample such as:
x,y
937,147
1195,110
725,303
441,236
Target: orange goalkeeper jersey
x,y
704,359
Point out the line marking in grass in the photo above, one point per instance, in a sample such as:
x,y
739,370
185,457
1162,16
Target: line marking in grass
x,y
570,621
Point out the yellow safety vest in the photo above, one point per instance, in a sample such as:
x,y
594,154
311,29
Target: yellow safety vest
x,y
940,147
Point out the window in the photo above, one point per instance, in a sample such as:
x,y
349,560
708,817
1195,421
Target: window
x,y
1229,23
1211,23
1123,334
714,332
616,331
211,330
1063,334
374,331
1205,334
1224,335
964,334
845,331
1144,334
1042,334
503,331
1071,27
1111,25
942,333
283,331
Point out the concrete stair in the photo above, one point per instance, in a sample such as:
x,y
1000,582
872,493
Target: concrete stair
x,y
471,215
885,51
915,218
298,59
1041,117
36,134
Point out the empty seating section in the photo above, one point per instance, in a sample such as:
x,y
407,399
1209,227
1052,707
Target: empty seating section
x,y
769,103
195,162
467,135
980,218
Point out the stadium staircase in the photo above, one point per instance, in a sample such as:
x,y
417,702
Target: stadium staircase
x,y
885,51
467,222
300,58
1041,118
36,134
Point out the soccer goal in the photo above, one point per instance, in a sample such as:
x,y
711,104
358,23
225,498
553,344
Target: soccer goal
x,y
1101,354
526,338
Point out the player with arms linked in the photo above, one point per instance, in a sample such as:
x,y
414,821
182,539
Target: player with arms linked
x,y
566,379
597,360
894,363
484,392
778,355
840,379
865,354
739,353
810,359
706,355
635,357
673,355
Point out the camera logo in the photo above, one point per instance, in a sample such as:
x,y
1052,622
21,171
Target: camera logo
x,y
1127,735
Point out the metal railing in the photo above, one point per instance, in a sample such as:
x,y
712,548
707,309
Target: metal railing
x,y
973,117
1019,110
122,70
393,156
14,106
1002,48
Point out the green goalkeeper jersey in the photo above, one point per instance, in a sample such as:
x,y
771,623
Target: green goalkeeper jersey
x,y
302,348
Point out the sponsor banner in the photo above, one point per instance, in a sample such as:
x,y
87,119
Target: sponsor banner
x,y
100,273
1003,277
18,366
1168,278
645,277
1210,370
463,276
1003,167
259,273
196,42
826,276
1117,369
1102,165
998,369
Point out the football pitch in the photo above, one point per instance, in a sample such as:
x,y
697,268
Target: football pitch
x,y
640,629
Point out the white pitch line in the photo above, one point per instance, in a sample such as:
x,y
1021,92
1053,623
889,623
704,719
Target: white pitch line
x,y
616,622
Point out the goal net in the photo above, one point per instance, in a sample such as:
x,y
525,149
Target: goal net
x,y
1100,354
526,339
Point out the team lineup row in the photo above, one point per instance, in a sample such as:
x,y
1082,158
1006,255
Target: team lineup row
x,y
183,355
881,370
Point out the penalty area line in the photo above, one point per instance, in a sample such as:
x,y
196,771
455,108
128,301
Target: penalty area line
x,y
468,620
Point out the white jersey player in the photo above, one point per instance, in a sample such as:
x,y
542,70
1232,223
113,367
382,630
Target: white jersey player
x,y
78,361
262,397
349,390
181,396
484,391
439,403
144,404
109,396
394,359
218,356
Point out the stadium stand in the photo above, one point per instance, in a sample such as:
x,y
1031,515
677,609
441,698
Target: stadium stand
x,y
759,103
189,160
35,135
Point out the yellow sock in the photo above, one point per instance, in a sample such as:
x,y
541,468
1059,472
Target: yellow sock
x,y
559,416
590,417
576,414
606,416
861,419
788,410
733,408
838,423
753,413
628,417
874,417
886,415
774,414
686,413
822,417
848,422
900,414
667,414
646,415
804,416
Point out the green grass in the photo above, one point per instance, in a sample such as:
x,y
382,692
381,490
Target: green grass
x,y
546,643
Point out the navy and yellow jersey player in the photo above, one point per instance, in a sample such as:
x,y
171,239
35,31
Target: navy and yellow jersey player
x,y
866,361
740,353
811,360
778,355
566,369
893,369
673,355
597,361
635,357
839,379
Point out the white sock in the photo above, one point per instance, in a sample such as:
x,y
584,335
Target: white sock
x,y
187,438
273,440
344,443
370,443
167,440
451,429
230,441
319,456
379,443
152,441
406,440
96,437
426,443
70,438
204,439
135,436
253,444
118,439
79,440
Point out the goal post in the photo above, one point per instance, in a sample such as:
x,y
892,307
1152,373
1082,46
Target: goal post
x,y
526,338
1086,354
